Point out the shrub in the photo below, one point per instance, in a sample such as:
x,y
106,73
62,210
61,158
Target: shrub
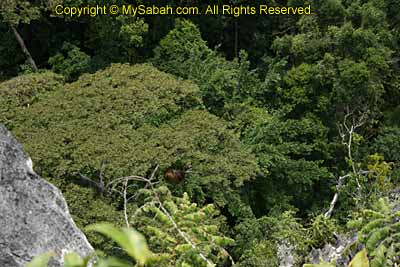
x,y
322,230
378,230
199,224
70,61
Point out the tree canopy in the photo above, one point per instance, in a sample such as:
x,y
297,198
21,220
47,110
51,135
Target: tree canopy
x,y
283,130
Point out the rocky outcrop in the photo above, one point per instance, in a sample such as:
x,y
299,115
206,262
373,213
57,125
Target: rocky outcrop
x,y
334,252
34,217
339,251
285,254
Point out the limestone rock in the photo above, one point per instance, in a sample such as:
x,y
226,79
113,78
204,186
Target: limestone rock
x,y
34,217
333,252
286,254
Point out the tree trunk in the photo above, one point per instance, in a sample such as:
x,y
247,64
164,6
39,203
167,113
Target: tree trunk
x,y
236,45
24,49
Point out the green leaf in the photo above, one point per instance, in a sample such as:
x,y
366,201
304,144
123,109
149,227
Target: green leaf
x,y
112,262
360,259
322,264
137,246
319,265
73,260
128,239
41,260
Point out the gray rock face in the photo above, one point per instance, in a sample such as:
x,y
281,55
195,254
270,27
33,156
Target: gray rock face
x,y
333,252
34,217
286,254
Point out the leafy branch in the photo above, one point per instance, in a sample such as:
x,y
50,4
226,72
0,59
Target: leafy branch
x,y
150,183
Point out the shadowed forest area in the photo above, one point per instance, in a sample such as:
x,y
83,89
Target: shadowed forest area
x,y
245,141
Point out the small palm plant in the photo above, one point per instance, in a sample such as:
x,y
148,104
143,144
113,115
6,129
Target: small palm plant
x,y
131,241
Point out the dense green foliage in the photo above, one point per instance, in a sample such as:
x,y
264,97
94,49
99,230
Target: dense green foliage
x,y
378,230
138,115
72,63
184,53
200,225
281,127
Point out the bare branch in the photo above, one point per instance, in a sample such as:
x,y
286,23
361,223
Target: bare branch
x,y
336,196
154,173
126,203
102,167
346,132
98,186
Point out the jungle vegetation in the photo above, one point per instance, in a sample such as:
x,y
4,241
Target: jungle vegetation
x,y
220,139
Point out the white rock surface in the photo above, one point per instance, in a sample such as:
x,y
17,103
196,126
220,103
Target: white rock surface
x,y
34,216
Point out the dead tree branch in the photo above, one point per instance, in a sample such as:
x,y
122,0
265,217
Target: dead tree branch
x,y
336,196
25,50
346,131
125,203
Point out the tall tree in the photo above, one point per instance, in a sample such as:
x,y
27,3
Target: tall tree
x,y
15,12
